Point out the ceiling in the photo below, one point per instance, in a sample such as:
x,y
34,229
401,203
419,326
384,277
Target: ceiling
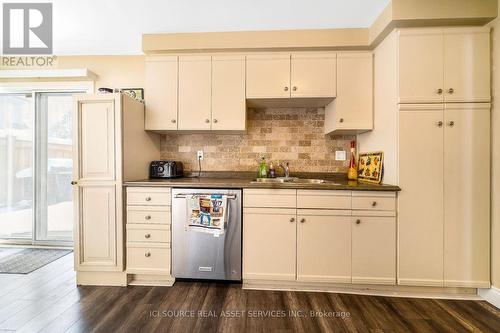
x,y
115,26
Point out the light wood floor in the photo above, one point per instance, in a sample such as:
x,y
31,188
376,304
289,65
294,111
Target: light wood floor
x,y
48,300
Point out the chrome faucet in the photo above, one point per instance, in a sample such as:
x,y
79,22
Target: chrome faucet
x,y
286,169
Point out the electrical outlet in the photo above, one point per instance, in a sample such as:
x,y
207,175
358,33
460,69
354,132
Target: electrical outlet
x,y
340,155
199,155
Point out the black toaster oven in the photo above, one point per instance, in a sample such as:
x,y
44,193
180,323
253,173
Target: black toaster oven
x,y
165,169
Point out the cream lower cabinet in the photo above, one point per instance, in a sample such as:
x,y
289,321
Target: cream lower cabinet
x,y
324,245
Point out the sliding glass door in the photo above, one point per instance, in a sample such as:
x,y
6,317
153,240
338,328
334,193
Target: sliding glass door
x,y
36,167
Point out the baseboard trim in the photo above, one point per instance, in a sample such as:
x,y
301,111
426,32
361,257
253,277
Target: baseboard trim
x,y
84,278
490,295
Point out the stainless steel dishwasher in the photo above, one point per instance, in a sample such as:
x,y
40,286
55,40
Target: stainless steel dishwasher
x,y
198,255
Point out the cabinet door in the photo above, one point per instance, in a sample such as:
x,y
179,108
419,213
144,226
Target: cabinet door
x,y
161,89
374,250
420,213
420,66
313,75
324,246
195,89
353,107
467,65
268,75
467,195
228,93
269,243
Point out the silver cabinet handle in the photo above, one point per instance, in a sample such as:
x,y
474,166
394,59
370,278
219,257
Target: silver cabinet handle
x,y
173,121
439,124
147,236
292,219
215,121
286,88
294,88
451,123
147,217
73,182
341,120
148,198
302,220
439,91
374,204
358,221
147,254
451,91
207,120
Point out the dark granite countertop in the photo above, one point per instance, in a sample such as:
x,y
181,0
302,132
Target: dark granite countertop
x,y
247,180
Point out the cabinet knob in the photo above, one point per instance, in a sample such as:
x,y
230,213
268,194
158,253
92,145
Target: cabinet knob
x,y
294,88
292,219
148,198
286,88
439,91
358,221
215,121
451,123
451,91
207,120
374,204
341,120
439,124
173,121
147,236
147,217
302,220
147,254
74,182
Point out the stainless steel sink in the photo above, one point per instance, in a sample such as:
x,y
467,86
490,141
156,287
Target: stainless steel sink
x,y
292,180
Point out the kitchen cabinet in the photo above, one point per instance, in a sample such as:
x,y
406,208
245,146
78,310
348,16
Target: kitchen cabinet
x,y
352,109
269,244
228,93
324,245
444,65
161,88
447,243
195,90
296,75
373,247
467,195
103,159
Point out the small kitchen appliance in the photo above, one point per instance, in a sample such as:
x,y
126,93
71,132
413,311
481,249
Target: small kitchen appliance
x,y
165,169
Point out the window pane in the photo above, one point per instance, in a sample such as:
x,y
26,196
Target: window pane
x,y
16,166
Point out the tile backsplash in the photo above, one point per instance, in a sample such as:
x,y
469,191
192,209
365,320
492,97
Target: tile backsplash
x,y
292,135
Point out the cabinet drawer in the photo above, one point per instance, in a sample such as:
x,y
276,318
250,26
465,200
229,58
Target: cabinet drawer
x,y
146,215
374,201
148,235
270,198
148,260
148,197
323,199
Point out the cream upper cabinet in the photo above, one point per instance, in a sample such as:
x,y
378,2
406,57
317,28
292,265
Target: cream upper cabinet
x,y
324,245
161,89
195,90
269,244
466,65
374,249
467,195
352,110
450,65
228,93
420,211
313,75
420,66
268,75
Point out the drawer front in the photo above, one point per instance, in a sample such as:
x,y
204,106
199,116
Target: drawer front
x,y
323,199
269,198
373,203
148,259
148,217
148,235
148,198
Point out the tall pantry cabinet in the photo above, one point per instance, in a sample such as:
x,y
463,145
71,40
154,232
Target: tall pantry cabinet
x,y
110,147
444,157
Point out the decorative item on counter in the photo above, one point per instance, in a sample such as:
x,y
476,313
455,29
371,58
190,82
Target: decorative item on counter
x,y
352,174
371,167
272,171
262,168
136,93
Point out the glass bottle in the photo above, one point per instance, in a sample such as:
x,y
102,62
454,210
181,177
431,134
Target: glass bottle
x,y
352,174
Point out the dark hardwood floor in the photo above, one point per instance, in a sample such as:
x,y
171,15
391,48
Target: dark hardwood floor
x,y
48,300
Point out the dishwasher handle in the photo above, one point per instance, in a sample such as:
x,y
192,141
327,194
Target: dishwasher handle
x,y
183,195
